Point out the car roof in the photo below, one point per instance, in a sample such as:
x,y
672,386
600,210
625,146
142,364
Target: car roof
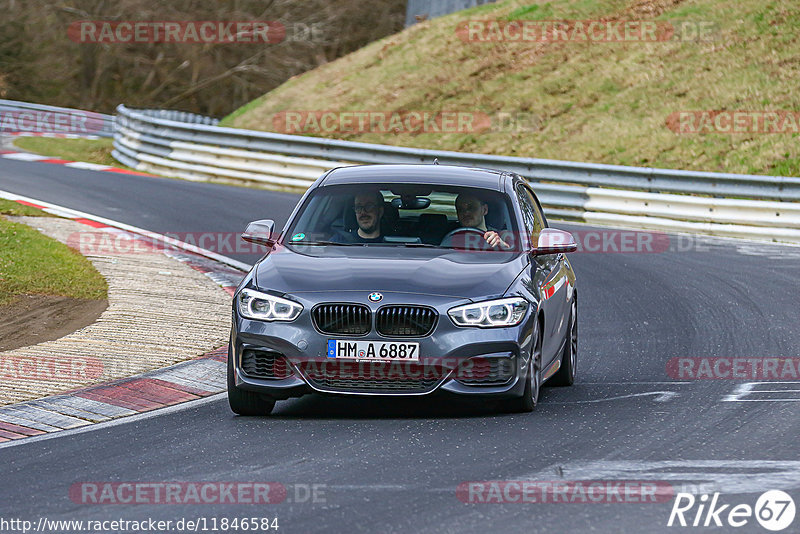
x,y
417,174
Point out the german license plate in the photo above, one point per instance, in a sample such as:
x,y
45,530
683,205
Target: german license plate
x,y
388,351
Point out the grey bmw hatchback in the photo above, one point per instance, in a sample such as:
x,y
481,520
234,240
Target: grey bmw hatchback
x,y
406,280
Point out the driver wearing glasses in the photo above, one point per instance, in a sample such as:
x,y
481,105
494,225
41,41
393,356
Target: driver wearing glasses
x,y
368,207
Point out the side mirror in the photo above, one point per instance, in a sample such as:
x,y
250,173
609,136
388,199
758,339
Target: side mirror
x,y
260,232
552,241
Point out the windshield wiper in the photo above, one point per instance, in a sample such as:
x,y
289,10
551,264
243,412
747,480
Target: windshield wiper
x,y
325,243
490,249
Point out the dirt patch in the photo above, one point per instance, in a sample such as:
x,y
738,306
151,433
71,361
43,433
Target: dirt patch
x,y
32,319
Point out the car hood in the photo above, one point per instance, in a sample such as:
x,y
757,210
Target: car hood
x,y
426,271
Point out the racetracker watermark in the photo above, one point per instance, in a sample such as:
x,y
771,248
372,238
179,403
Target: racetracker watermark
x,y
391,363
588,242
114,242
585,31
50,368
722,368
403,122
74,122
177,493
188,31
563,491
622,241
370,121
734,122
117,242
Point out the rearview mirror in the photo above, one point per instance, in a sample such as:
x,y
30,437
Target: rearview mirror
x,y
552,241
411,203
260,232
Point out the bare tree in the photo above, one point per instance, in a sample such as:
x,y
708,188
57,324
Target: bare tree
x,y
39,62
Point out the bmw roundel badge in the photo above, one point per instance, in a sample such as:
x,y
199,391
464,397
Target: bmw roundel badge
x,y
375,297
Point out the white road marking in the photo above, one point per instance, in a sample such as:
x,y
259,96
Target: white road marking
x,y
661,396
57,213
25,156
87,166
725,476
750,392
669,383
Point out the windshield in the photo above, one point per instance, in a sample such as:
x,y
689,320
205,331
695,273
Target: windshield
x,y
406,215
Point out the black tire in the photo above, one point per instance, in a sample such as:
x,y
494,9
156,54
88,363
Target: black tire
x,y
246,402
533,383
569,357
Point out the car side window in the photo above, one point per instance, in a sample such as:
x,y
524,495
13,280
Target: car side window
x,y
532,217
538,215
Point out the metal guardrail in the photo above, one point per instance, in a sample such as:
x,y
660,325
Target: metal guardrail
x,y
180,116
39,119
588,174
192,147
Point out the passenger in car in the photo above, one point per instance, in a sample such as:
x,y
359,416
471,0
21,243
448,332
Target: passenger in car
x,y
369,209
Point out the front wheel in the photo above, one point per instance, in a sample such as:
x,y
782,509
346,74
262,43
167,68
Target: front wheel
x,y
244,402
533,384
569,358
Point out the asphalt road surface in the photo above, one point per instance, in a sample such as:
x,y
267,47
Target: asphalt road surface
x,y
395,465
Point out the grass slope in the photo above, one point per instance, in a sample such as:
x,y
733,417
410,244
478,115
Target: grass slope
x,y
88,150
31,263
593,102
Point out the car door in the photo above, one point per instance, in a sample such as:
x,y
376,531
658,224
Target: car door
x,y
549,273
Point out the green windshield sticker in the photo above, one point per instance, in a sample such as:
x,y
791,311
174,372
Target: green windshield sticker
x,y
298,237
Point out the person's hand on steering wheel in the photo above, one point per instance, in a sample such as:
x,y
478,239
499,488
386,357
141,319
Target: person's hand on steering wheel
x,y
494,239
491,237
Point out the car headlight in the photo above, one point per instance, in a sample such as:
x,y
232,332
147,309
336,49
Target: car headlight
x,y
490,314
263,307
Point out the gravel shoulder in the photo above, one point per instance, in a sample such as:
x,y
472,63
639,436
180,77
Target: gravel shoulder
x,y
160,312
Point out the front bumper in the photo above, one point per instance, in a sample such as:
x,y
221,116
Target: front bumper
x,y
453,360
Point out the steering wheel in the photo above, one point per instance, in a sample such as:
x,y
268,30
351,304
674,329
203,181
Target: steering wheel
x,y
342,236
463,230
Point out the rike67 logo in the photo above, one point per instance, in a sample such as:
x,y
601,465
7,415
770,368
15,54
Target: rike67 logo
x,y
774,510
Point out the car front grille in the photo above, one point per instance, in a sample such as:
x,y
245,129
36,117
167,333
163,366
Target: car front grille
x,y
265,364
481,371
347,319
368,377
405,321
